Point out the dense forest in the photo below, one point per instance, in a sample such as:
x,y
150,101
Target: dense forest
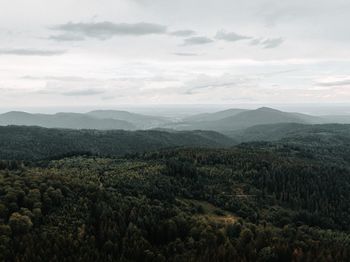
x,y
285,200
36,143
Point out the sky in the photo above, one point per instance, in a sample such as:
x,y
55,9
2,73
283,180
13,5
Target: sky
x,y
107,53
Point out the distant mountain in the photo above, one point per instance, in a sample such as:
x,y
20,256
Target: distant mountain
x,y
63,120
214,116
33,143
222,121
341,119
293,132
268,132
138,120
310,119
321,142
247,119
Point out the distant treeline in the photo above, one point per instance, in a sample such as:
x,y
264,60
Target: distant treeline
x,y
35,143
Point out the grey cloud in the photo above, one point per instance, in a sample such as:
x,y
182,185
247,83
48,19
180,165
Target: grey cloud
x,y
183,33
212,85
206,82
230,36
186,54
267,42
105,30
66,37
345,82
58,78
31,52
272,42
96,81
274,73
197,40
263,42
256,41
110,97
86,92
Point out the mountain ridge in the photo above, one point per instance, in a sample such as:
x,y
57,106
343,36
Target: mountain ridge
x,y
263,115
62,120
33,143
225,121
140,121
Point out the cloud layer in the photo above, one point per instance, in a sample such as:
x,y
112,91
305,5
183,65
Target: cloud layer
x,y
198,40
184,51
106,30
230,36
183,33
31,52
268,42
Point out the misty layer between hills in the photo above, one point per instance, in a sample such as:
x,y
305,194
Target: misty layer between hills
x,y
222,121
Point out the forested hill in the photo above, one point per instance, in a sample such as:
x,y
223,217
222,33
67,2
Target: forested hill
x,y
63,120
293,131
239,204
230,120
327,141
34,143
286,200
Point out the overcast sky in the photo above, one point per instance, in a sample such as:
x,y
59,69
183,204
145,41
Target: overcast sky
x,y
105,53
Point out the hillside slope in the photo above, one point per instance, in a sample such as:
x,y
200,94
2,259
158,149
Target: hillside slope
x,y
239,204
138,120
63,120
38,143
249,118
290,131
214,116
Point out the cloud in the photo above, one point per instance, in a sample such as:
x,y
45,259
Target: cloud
x,y
344,82
66,37
272,42
197,40
106,30
186,54
203,82
31,52
183,33
194,89
267,42
58,78
230,36
256,41
263,42
85,92
109,97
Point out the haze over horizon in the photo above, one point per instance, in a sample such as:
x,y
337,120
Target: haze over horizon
x,y
183,110
88,54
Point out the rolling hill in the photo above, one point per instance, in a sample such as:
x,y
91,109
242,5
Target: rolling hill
x,y
63,120
290,131
341,119
32,143
225,121
138,120
247,119
214,116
